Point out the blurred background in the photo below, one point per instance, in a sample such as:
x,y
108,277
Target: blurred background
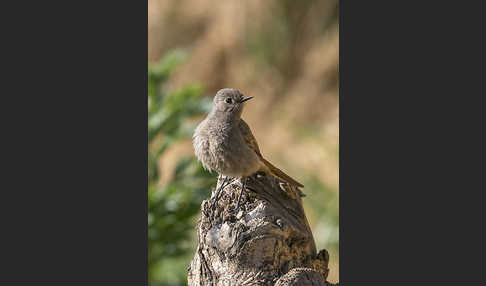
x,y
285,54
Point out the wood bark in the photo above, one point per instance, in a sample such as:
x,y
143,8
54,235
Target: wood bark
x,y
268,242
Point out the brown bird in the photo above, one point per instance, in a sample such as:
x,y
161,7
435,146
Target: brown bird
x,y
223,142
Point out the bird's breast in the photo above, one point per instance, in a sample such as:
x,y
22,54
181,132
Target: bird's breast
x,y
223,149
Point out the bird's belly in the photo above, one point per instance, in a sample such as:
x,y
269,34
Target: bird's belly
x,y
240,169
235,163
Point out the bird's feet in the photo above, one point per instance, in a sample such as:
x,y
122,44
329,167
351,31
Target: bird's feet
x,y
243,186
221,187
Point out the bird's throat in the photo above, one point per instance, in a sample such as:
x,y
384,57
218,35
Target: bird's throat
x,y
223,117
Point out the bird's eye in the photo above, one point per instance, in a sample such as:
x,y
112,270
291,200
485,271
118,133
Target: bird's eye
x,y
228,100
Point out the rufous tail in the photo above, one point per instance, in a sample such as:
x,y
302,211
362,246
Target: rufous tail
x,y
280,174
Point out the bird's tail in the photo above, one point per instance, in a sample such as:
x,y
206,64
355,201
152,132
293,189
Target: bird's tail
x,y
280,174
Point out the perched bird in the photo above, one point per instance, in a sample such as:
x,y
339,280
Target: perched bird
x,y
224,143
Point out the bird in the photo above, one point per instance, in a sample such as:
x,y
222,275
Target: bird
x,y
223,142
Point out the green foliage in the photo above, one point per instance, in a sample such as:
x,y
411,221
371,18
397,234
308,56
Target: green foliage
x,y
172,205
322,205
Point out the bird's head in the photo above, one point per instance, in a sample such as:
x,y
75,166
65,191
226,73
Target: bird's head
x,y
229,102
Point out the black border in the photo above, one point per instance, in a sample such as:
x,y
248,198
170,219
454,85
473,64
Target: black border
x,y
75,193
409,137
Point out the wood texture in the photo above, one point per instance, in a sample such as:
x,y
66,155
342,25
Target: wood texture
x,y
268,242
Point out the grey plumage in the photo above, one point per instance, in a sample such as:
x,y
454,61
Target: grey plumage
x,y
224,143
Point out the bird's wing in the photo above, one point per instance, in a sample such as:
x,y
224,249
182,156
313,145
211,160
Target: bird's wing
x,y
248,136
251,141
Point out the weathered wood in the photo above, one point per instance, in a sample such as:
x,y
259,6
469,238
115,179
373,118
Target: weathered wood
x,y
268,242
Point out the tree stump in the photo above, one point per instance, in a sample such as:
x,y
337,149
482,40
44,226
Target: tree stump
x,y
268,242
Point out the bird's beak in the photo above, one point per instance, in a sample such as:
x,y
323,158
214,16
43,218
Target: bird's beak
x,y
246,98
